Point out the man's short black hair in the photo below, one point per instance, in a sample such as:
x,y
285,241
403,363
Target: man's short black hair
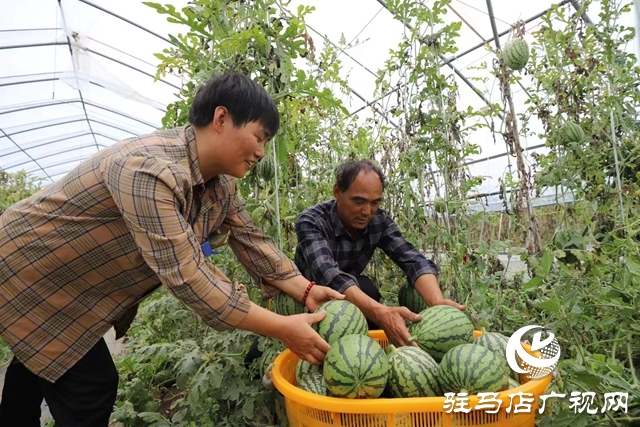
x,y
347,173
244,98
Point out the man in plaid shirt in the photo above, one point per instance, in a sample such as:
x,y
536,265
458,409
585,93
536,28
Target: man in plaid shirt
x,y
337,239
80,255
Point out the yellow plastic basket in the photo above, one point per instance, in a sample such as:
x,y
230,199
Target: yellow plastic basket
x,y
306,409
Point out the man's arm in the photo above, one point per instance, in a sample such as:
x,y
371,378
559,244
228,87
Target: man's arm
x,y
149,195
318,256
259,254
421,272
295,331
319,259
265,262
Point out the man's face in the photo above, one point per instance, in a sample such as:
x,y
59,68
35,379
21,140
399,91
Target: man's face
x,y
359,203
242,146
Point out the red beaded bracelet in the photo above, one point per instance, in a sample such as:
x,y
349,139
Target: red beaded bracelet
x,y
306,293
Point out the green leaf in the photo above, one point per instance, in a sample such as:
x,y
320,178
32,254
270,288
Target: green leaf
x,y
633,265
543,269
619,384
154,417
248,409
551,306
187,367
568,418
533,283
199,387
157,6
589,379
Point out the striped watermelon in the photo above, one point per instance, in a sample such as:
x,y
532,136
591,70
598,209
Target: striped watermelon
x,y
412,372
266,168
572,132
342,318
356,367
286,305
497,343
516,54
410,298
442,327
313,382
272,349
304,368
473,369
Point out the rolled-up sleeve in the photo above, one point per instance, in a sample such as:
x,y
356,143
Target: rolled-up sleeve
x,y
404,254
152,197
257,252
318,257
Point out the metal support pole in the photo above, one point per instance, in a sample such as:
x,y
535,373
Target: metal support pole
x,y
27,154
75,70
489,40
75,101
66,138
455,70
505,32
126,20
25,46
494,27
24,82
505,87
576,5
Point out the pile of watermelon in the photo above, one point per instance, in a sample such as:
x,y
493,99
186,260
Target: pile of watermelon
x,y
447,359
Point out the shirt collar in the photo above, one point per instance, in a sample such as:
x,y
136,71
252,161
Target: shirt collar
x,y
338,226
194,166
192,154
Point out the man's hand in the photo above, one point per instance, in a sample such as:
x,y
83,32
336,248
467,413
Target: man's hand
x,y
302,339
428,288
392,321
452,303
319,295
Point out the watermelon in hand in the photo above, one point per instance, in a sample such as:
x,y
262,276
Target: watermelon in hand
x,y
342,318
441,328
472,369
412,372
285,305
356,367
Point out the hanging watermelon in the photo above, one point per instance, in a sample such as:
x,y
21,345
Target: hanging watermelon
x,y
266,168
571,132
516,54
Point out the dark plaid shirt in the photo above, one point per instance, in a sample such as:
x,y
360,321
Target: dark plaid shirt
x,y
327,254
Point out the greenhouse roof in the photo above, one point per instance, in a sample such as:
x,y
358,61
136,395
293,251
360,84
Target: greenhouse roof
x,y
78,75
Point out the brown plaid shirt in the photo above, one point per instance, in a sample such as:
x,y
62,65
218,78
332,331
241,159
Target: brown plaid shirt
x,y
75,256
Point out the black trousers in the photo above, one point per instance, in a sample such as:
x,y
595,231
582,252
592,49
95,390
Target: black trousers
x,y
83,397
366,285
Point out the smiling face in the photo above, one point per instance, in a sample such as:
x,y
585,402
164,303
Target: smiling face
x,y
359,203
241,147
224,148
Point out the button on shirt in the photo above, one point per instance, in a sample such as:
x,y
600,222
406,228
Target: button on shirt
x,y
329,255
76,255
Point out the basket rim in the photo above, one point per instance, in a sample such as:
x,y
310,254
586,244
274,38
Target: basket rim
x,y
388,405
